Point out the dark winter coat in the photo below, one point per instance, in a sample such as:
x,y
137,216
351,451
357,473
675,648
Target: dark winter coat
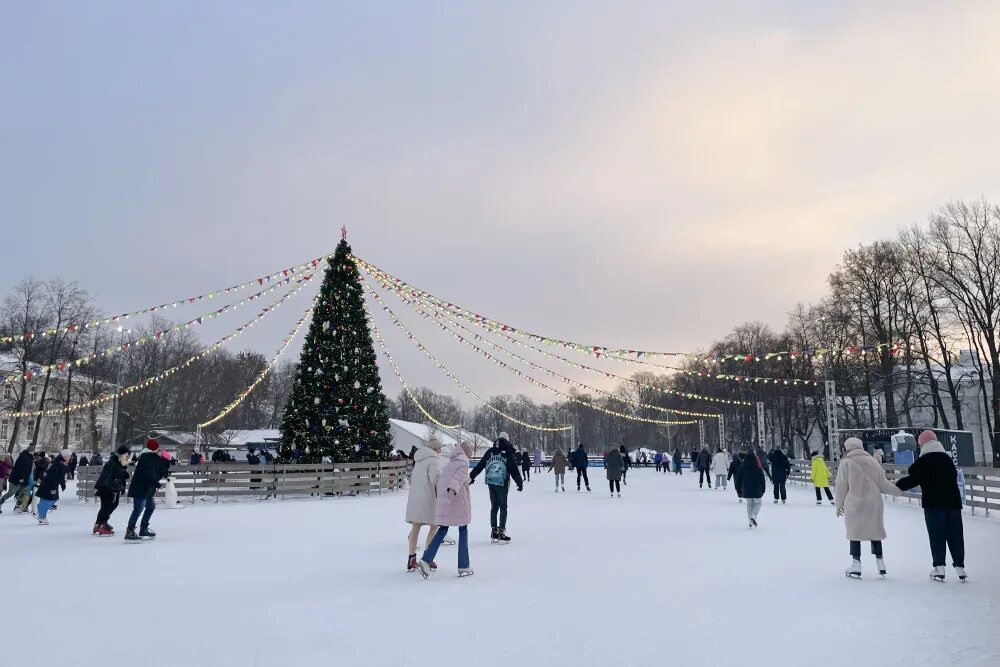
x,y
936,475
525,459
615,464
113,477
218,456
97,460
579,458
84,462
751,479
253,459
71,466
150,469
502,448
41,463
21,471
626,458
677,458
736,471
781,467
195,458
704,460
53,480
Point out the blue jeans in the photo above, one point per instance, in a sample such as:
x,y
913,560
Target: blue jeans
x,y
140,504
43,507
463,546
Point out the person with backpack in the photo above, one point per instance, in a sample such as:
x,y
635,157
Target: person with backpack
x,y
53,479
97,460
752,484
720,466
941,499
581,463
526,465
736,474
149,470
820,475
860,485
500,465
422,496
781,467
109,489
559,468
615,466
453,507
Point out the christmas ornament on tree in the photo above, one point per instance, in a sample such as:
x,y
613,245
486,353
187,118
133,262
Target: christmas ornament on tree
x,y
315,400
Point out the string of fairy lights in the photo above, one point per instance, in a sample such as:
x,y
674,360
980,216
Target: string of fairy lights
x,y
538,367
515,371
143,384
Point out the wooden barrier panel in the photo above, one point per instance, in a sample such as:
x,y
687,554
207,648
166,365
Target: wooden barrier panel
x,y
228,480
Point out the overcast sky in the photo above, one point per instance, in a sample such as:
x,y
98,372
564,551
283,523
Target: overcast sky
x,y
642,174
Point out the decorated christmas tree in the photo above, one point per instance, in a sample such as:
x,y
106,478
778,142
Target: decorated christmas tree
x,y
337,407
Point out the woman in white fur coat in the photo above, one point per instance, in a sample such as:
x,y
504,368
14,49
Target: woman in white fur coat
x,y
420,505
860,485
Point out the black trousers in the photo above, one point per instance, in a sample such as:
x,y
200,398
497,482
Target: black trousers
x,y
829,495
624,474
498,505
704,475
779,490
856,549
526,473
582,472
944,529
615,485
109,503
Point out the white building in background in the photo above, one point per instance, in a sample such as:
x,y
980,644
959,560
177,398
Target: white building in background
x,y
52,428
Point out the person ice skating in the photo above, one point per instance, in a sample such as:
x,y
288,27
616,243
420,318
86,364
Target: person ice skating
x,y
581,463
53,479
879,456
422,497
753,484
453,507
559,469
720,466
149,470
17,473
781,467
657,459
109,488
860,485
6,465
39,466
626,463
71,466
736,474
936,475
500,464
537,459
526,465
704,462
614,464
820,476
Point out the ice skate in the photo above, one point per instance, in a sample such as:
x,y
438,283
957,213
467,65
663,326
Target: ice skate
x,y
43,522
465,572
619,494
502,536
854,571
962,576
424,569
147,534
106,531
411,563
97,529
782,501
880,564
130,536
564,489
819,502
494,536
448,543
775,501
937,574
753,522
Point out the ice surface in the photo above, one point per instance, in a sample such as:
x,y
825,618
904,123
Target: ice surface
x,y
669,574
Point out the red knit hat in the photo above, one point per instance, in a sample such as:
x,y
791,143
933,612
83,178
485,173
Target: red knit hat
x,y
925,437
152,445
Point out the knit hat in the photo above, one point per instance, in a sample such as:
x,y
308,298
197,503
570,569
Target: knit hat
x,y
434,443
853,443
67,454
504,436
152,445
925,437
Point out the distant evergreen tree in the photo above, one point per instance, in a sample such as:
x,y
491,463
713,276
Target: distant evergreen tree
x,y
337,407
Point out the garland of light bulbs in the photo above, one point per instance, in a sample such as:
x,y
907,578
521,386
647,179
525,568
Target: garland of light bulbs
x,y
755,379
395,283
27,335
515,371
574,364
469,391
163,374
61,365
438,317
264,372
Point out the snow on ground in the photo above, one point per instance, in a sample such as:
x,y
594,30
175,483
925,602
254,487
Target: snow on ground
x,y
668,574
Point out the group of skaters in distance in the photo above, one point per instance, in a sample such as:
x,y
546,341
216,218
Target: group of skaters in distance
x,y
35,482
439,495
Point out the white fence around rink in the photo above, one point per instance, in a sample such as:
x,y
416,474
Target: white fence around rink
x,y
242,480
982,485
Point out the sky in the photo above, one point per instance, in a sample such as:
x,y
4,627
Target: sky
x,y
635,174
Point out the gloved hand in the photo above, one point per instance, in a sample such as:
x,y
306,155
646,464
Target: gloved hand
x,y
520,488
472,480
840,511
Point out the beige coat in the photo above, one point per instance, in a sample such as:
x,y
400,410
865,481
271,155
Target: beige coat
x,y
420,505
860,485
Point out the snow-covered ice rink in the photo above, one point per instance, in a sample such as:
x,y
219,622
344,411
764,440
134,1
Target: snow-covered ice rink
x,y
669,574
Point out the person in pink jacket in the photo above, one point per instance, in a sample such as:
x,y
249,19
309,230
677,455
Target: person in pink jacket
x,y
453,508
